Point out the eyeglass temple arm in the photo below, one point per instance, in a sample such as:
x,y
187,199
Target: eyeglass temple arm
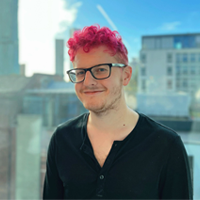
x,y
118,65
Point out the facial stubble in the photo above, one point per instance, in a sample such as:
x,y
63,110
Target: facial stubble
x,y
107,105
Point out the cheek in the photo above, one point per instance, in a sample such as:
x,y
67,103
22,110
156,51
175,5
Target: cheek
x,y
77,88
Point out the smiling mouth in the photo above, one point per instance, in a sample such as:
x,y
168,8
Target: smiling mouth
x,y
92,92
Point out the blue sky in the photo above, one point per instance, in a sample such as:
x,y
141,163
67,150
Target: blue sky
x,y
42,21
135,18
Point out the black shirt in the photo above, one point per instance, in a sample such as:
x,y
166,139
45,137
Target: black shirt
x,y
150,163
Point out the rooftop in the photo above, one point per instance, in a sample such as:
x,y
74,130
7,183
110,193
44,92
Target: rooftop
x,y
13,83
171,35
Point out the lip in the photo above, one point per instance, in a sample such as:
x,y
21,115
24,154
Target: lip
x,y
92,92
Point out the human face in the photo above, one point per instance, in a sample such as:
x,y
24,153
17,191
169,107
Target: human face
x,y
98,96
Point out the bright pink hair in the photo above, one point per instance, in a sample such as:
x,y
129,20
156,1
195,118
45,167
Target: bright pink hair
x,y
94,36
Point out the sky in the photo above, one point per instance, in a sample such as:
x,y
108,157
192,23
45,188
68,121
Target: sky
x,y
42,21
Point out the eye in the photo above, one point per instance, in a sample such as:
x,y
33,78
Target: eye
x,y
101,69
79,73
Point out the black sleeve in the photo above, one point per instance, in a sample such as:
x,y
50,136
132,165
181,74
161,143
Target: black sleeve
x,y
53,186
177,179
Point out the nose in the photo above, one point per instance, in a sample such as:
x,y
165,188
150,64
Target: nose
x,y
89,79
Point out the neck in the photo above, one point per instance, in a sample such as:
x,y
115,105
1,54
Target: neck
x,y
113,120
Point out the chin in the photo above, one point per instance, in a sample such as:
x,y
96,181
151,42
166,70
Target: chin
x,y
94,108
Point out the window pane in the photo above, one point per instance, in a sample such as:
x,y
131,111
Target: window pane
x,y
143,58
192,57
143,71
169,70
169,57
185,57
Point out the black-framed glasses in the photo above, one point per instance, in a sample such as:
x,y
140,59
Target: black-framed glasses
x,y
99,72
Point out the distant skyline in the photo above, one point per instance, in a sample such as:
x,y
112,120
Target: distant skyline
x,y
43,21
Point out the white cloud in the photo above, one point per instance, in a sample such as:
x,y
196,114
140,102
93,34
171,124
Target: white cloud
x,y
170,26
39,23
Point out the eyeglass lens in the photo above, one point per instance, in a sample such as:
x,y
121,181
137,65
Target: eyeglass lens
x,y
99,72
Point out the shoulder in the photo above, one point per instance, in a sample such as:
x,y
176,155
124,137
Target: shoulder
x,y
73,123
156,131
71,127
68,133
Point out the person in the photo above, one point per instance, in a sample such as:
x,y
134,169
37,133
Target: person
x,y
111,152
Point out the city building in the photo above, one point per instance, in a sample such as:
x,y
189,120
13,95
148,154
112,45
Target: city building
x,y
30,109
9,50
12,88
59,57
56,103
169,74
170,63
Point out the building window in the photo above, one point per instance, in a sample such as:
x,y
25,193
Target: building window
x,y
192,70
178,57
169,84
167,42
143,58
143,84
169,57
184,70
185,57
177,43
169,70
181,42
148,43
177,84
143,71
178,70
185,83
192,57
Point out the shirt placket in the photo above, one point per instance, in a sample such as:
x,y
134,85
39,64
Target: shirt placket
x,y
104,170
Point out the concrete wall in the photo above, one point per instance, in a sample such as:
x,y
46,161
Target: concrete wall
x,y
156,70
28,139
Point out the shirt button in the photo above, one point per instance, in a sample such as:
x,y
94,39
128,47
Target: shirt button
x,y
101,177
115,145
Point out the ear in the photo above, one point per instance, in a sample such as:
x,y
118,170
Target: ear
x,y
127,73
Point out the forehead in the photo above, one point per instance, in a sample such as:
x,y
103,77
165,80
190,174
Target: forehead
x,y
95,56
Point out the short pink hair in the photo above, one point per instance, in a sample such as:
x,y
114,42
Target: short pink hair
x,y
94,36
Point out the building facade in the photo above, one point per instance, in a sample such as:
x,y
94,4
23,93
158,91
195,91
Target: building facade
x,y
170,71
9,50
30,109
170,63
59,57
